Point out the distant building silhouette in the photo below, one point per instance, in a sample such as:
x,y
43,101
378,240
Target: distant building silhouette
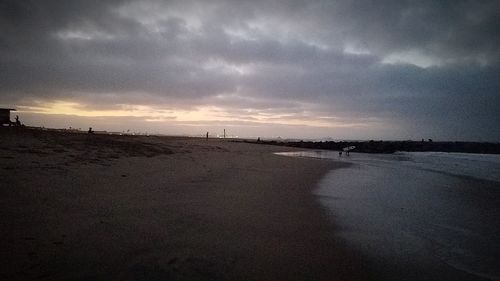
x,y
5,117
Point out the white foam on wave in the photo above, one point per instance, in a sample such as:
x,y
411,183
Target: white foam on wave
x,y
480,166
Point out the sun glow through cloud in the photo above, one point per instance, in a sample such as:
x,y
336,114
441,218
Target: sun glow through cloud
x,y
198,115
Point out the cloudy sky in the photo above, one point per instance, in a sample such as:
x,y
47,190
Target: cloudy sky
x,y
305,69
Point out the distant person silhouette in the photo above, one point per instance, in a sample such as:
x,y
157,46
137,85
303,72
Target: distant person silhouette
x,y
90,130
18,123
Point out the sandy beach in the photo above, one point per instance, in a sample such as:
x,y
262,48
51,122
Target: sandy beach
x,y
99,207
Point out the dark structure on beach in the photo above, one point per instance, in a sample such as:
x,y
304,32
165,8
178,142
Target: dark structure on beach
x,y
5,116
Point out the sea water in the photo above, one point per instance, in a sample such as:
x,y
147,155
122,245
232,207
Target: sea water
x,y
417,211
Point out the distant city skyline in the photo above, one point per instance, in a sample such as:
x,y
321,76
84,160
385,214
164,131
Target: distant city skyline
x,y
338,69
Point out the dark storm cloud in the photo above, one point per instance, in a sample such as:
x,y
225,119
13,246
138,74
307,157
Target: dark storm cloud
x,y
429,65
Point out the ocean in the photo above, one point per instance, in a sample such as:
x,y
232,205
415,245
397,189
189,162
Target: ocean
x,y
412,214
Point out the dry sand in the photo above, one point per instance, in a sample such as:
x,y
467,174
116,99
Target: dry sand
x,y
98,207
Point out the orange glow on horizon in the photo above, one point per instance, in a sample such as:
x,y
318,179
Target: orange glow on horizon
x,y
199,114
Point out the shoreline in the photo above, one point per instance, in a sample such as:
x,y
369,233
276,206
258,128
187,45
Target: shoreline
x,y
126,208
438,226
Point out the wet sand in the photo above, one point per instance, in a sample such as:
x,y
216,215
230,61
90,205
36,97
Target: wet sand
x,y
417,216
97,207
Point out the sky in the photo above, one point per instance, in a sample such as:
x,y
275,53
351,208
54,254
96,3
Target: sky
x,y
387,69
